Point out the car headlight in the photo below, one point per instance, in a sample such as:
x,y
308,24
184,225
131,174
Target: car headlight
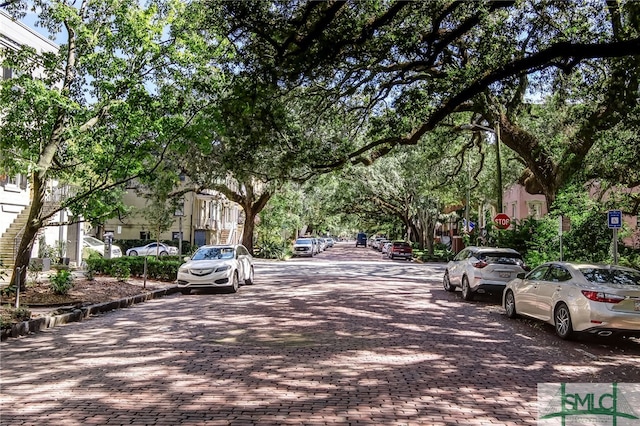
x,y
223,268
183,269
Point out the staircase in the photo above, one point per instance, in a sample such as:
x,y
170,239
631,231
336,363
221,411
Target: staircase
x,y
9,241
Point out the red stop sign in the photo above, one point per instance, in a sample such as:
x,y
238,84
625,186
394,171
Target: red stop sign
x,y
502,221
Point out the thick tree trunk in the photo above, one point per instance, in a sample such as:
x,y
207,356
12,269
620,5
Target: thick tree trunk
x,y
248,229
429,238
34,224
418,234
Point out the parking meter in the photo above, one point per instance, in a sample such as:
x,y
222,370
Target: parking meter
x,y
108,239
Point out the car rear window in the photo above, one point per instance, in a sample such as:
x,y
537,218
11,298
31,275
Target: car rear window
x,y
401,244
611,276
303,241
502,258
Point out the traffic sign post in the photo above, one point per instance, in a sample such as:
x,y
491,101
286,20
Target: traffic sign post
x,y
614,222
502,221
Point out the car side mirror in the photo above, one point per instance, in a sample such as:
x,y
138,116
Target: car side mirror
x,y
521,275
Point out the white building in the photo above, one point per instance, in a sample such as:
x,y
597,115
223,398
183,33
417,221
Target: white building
x,y
15,189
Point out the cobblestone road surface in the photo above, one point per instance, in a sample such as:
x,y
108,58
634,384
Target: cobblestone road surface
x,y
344,338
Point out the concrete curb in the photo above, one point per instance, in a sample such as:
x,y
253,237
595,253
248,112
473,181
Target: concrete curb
x,y
76,315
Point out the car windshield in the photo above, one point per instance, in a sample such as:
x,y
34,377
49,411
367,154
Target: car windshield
x,y
303,241
396,244
93,241
502,258
212,253
611,276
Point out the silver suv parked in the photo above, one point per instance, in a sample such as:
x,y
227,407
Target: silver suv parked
x,y
482,270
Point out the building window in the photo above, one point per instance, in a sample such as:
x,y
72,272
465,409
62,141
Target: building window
x,y
145,235
6,73
179,209
514,209
535,210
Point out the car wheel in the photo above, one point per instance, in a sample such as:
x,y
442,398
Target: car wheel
x,y
133,253
249,280
446,283
234,282
467,294
510,304
185,291
562,321
163,254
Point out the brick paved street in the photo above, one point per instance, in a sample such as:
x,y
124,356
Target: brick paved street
x,y
337,339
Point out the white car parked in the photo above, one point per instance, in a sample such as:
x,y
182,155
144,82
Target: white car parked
x,y
153,249
216,266
304,247
603,300
99,246
482,270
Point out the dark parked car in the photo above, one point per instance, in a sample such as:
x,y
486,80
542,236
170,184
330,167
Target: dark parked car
x,y
400,249
361,239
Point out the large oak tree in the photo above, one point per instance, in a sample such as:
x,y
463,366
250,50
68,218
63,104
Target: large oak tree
x,y
457,52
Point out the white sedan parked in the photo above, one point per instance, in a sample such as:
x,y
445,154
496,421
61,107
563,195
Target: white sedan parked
x,y
99,246
599,299
153,249
216,266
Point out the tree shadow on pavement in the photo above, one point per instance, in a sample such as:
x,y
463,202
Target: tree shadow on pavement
x,y
364,343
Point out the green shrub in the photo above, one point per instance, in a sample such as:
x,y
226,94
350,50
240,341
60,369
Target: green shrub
x,y
163,269
629,257
272,250
33,271
61,282
12,315
120,270
7,291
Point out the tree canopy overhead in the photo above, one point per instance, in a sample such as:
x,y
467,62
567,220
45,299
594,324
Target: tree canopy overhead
x,y
270,91
443,58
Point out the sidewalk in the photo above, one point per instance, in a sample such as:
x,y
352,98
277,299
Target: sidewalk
x,y
45,317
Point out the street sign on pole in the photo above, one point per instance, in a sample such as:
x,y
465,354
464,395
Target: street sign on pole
x,y
502,221
614,221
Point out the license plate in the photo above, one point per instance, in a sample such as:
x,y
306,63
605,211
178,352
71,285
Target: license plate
x,y
637,306
505,275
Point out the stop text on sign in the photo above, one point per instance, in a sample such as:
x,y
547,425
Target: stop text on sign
x,y
502,221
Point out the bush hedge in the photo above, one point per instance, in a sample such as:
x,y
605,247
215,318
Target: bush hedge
x,y
163,269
